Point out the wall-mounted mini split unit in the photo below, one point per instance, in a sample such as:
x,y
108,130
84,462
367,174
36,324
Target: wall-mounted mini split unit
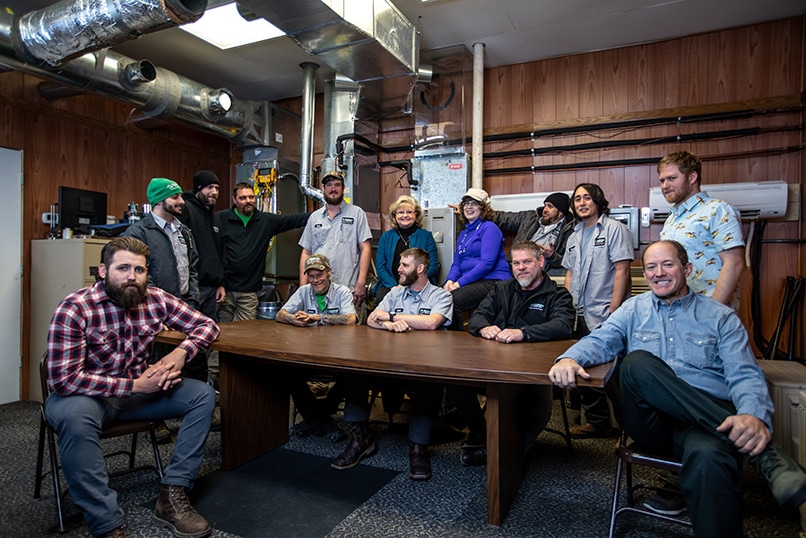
x,y
765,200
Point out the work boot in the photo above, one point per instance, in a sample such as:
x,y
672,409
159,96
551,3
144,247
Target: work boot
x,y
361,445
175,512
784,476
419,462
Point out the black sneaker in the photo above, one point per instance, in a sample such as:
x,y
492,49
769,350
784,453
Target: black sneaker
x,y
666,503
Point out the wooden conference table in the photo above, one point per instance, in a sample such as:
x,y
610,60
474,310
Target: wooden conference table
x,y
255,404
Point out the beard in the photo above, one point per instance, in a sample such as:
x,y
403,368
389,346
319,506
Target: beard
x,y
208,201
127,296
407,279
334,200
524,280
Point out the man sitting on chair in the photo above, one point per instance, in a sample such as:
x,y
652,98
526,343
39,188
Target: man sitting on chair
x,y
689,382
99,342
529,307
319,302
415,304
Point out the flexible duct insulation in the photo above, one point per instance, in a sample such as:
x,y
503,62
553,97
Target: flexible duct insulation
x,y
73,27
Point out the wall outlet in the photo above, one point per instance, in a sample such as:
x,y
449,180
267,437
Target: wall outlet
x,y
645,215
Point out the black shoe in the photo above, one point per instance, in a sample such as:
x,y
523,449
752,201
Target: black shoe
x,y
666,503
360,446
474,456
419,462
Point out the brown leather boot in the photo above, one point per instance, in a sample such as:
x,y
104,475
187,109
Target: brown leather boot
x,y
419,462
175,512
361,445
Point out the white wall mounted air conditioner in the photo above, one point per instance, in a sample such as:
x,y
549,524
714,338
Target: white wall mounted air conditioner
x,y
764,200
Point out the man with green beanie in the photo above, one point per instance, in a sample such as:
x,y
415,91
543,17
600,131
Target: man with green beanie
x,y
173,263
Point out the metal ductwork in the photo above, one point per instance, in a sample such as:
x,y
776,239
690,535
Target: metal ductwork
x,y
368,41
157,92
70,28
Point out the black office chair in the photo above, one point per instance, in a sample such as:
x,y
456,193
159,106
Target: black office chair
x,y
116,429
629,454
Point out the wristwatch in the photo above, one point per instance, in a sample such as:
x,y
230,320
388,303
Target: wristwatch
x,y
392,317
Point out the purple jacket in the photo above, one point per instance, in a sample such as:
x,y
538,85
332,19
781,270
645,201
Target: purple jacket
x,y
479,254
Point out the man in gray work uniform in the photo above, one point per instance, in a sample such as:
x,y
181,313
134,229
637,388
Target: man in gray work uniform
x,y
319,302
415,304
341,232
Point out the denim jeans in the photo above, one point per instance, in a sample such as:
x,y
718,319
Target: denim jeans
x,y
425,401
78,420
663,411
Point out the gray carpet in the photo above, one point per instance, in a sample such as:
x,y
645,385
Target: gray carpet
x,y
562,495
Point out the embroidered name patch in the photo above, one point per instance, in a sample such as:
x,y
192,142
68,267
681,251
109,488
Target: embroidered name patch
x,y
347,220
424,311
537,306
600,242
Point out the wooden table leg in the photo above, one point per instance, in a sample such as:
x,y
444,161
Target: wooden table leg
x,y
504,451
254,409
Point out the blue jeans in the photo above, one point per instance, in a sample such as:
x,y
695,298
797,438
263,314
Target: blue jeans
x,y
78,421
425,401
663,411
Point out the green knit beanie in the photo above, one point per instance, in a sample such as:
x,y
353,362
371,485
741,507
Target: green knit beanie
x,y
161,188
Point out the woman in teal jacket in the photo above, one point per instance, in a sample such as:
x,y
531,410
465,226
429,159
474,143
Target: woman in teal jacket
x,y
406,217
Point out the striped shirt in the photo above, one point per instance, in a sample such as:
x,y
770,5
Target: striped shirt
x,y
97,348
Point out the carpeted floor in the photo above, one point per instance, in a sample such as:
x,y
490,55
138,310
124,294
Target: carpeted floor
x,y
562,495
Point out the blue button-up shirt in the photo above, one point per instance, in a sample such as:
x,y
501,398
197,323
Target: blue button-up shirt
x,y
701,339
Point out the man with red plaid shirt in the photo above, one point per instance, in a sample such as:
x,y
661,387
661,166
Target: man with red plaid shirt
x,y
99,343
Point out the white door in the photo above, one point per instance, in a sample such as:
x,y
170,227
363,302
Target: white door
x,y
10,274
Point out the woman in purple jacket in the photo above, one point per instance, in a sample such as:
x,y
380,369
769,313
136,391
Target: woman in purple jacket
x,y
479,259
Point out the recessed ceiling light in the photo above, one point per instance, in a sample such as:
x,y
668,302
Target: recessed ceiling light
x,y
225,28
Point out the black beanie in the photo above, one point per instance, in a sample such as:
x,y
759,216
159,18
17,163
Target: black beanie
x,y
559,200
202,178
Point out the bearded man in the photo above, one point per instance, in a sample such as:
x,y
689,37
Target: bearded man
x,y
100,341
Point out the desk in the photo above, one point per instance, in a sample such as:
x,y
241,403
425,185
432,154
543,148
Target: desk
x,y
255,405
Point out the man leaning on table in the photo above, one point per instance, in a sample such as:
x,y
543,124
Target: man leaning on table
x,y
319,302
527,308
415,304
689,382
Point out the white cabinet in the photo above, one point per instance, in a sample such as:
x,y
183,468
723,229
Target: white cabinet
x,y
58,268
785,380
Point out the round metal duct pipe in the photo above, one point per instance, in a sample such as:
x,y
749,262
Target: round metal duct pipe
x,y
70,28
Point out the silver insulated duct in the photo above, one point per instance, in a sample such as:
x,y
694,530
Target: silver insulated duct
x,y
368,41
70,28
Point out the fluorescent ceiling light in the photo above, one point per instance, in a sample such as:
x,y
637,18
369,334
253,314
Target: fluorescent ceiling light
x,y
225,28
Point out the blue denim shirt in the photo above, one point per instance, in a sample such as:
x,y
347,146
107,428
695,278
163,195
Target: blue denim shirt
x,y
701,339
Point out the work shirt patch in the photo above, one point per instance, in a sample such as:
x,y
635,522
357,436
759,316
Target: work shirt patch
x,y
347,220
424,311
600,242
537,306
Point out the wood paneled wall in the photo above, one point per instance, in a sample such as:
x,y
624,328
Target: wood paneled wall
x,y
86,142
759,67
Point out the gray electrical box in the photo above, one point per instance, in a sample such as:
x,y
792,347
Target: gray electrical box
x,y
442,176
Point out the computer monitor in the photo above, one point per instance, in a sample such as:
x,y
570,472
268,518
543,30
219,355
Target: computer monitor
x,y
80,209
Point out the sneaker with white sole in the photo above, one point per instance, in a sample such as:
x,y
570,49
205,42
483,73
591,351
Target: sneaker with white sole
x,y
666,503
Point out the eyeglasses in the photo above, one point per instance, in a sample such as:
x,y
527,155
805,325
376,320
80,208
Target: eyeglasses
x,y
401,213
471,203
